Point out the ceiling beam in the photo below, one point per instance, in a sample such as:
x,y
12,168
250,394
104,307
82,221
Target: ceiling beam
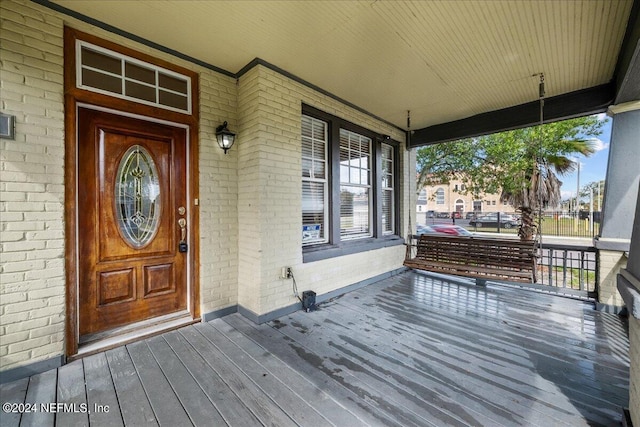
x,y
569,105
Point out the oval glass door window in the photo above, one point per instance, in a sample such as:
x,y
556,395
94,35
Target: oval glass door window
x,y
137,197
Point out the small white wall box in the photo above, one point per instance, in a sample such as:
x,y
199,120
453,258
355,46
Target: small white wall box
x,y
309,301
7,126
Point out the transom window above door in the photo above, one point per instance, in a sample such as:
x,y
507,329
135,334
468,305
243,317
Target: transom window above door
x,y
105,71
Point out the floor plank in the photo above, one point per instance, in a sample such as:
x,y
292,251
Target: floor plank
x,y
445,371
560,361
13,393
42,389
230,406
195,402
135,411
291,403
323,403
442,321
362,400
416,405
514,369
166,405
72,397
252,396
101,394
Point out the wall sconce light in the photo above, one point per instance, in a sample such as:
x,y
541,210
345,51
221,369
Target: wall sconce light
x,y
225,137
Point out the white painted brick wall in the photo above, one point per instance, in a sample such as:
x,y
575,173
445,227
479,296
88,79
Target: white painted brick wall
x,y
218,195
270,195
250,129
611,262
32,284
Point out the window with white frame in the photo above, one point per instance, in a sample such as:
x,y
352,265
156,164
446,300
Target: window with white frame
x,y
349,187
355,185
314,181
439,196
422,197
388,193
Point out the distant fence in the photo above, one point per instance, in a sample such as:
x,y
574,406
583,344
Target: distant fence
x,y
567,224
577,224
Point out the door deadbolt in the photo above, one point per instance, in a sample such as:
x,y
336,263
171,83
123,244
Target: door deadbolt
x,y
182,246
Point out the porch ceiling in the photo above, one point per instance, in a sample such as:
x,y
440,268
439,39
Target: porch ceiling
x,y
443,60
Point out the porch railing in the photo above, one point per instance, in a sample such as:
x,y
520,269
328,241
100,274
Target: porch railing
x,y
569,270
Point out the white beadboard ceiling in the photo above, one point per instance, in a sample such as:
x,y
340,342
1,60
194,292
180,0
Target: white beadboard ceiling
x,y
443,60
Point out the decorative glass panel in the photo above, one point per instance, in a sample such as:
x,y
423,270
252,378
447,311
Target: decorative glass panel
x,y
140,91
102,81
141,74
112,73
171,99
100,61
173,83
137,197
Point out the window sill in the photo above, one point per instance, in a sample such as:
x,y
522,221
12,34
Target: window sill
x,y
320,252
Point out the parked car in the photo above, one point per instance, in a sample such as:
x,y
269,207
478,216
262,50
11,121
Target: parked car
x,y
456,215
443,215
451,230
470,215
491,220
431,214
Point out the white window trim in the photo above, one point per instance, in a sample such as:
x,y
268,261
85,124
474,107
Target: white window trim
x,y
123,60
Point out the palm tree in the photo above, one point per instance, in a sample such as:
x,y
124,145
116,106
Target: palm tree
x,y
540,185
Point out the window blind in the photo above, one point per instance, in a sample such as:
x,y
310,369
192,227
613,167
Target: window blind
x,y
314,181
355,185
387,184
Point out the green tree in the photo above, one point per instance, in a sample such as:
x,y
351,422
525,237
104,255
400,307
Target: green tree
x,y
595,189
522,165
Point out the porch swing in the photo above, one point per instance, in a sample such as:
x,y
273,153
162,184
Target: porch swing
x,y
483,259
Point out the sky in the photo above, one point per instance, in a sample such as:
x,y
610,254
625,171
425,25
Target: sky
x,y
593,168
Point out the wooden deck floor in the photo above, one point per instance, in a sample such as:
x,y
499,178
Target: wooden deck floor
x,y
410,350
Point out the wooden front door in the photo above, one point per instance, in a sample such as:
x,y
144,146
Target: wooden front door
x,y
132,199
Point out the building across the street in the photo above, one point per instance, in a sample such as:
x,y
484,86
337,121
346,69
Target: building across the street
x,y
445,199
